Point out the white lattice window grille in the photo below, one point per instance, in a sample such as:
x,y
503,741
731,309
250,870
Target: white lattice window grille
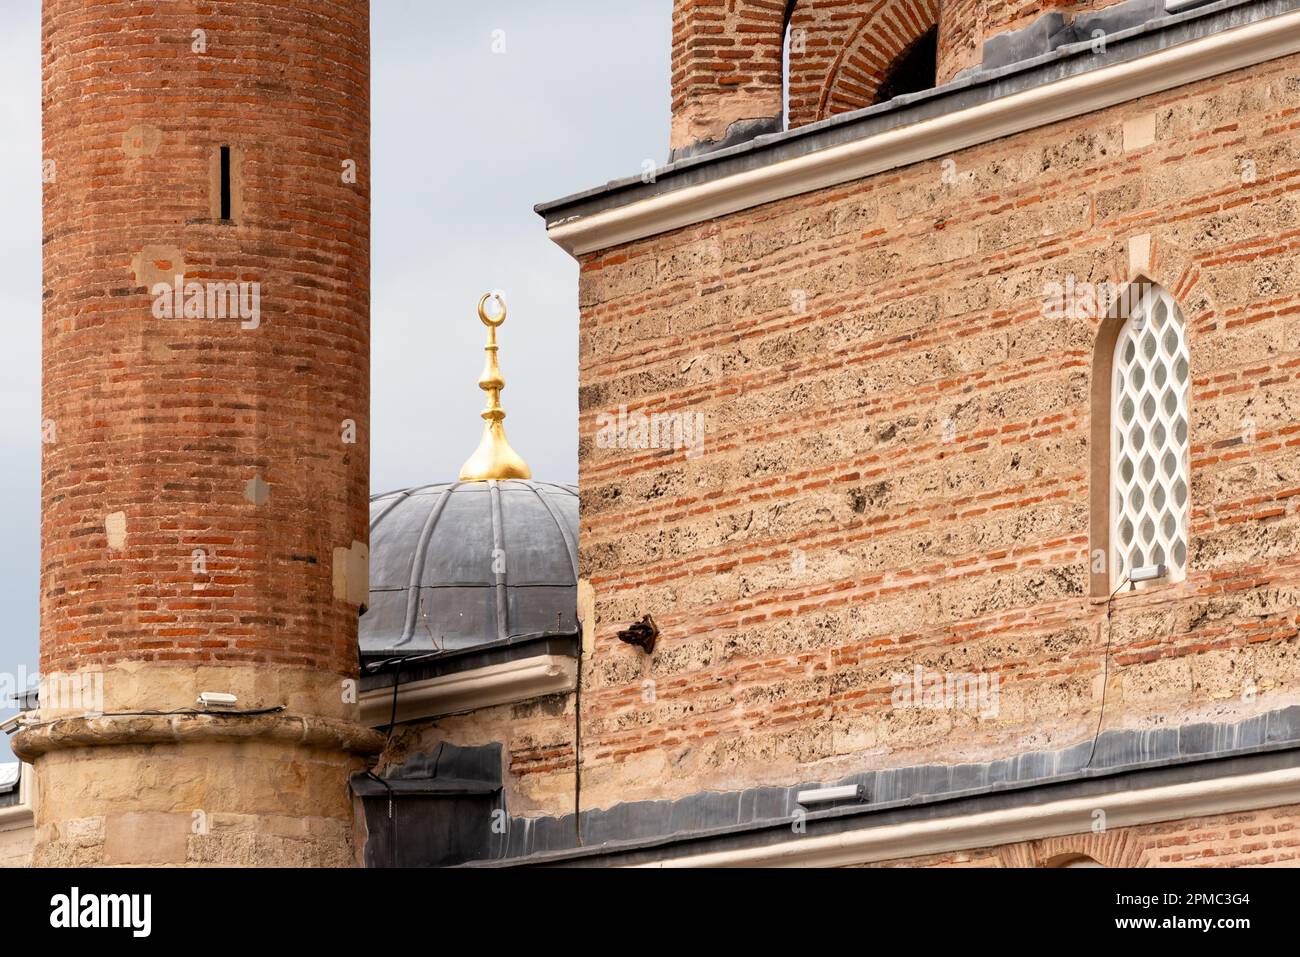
x,y
1149,442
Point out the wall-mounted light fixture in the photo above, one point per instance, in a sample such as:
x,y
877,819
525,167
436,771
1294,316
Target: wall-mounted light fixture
x,y
1148,573
217,700
849,792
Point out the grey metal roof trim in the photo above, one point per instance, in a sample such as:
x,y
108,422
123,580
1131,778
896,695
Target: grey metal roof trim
x,y
630,853
1123,759
974,89
363,786
462,565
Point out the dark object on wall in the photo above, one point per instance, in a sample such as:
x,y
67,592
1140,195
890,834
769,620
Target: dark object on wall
x,y
435,810
643,634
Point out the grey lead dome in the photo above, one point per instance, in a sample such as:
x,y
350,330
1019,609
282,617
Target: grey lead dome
x,y
459,565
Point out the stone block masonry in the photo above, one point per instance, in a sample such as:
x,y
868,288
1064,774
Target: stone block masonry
x,y
898,457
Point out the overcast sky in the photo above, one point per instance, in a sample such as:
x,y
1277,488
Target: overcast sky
x,y
465,141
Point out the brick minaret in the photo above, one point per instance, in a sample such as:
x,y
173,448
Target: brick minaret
x,y
204,494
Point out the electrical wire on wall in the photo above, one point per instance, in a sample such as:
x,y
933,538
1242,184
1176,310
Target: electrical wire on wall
x,y
388,737
1105,673
577,747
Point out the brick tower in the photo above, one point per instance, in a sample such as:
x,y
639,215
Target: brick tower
x,y
205,405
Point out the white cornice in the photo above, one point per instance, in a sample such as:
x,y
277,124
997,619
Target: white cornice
x,y
1097,89
1011,825
465,691
20,815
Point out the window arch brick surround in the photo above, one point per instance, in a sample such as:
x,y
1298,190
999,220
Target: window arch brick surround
x,y
1196,303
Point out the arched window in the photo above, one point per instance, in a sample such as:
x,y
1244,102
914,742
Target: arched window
x,y
914,69
1149,449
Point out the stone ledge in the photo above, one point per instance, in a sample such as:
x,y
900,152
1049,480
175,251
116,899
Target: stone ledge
x,y
109,730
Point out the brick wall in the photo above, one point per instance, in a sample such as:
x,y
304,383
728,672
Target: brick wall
x,y
727,55
961,35
159,425
896,467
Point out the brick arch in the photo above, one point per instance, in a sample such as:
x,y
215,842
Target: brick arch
x,y
1069,859
841,51
1113,848
1118,848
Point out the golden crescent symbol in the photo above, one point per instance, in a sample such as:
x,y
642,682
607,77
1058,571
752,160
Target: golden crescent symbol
x,y
482,314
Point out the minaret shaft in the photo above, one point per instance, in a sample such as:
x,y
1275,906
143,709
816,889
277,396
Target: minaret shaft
x,y
206,376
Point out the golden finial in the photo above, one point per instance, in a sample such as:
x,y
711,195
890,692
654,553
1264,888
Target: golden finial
x,y
494,458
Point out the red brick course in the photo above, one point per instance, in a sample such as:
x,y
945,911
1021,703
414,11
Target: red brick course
x,y
726,65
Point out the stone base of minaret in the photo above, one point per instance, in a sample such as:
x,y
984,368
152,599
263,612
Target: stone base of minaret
x,y
155,781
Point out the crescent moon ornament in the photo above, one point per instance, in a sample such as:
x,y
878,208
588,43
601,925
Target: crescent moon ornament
x,y
482,313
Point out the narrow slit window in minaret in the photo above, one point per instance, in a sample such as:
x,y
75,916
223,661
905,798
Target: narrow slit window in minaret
x,y
225,183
